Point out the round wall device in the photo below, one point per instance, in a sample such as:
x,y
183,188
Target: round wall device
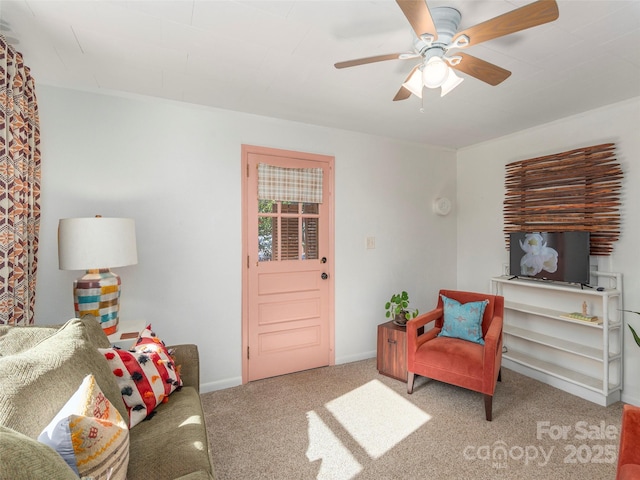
x,y
442,206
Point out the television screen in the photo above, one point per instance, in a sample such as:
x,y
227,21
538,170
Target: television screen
x,y
559,256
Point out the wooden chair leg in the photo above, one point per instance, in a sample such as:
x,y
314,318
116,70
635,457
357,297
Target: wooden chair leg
x,y
488,401
410,378
500,375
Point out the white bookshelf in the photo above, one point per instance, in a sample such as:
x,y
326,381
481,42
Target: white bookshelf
x,y
580,357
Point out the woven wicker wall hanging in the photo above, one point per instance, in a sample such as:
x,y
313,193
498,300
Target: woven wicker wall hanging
x,y
577,190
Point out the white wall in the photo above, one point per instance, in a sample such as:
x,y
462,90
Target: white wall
x,y
480,187
175,169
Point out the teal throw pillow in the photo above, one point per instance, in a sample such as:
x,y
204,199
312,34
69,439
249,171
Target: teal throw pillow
x,y
463,321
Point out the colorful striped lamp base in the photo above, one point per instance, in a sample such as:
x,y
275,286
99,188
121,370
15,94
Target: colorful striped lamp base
x,y
98,293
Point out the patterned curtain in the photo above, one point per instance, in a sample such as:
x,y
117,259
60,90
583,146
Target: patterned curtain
x,y
302,185
19,188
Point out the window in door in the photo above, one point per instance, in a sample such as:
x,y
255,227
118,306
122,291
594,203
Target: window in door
x,y
287,230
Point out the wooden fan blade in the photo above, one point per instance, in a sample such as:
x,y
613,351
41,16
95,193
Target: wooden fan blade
x,y
532,15
403,93
485,71
419,16
364,61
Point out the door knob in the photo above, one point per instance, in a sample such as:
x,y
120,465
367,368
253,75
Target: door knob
x,y
323,260
324,276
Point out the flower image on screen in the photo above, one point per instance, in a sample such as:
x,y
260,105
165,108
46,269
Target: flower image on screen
x,y
537,255
550,256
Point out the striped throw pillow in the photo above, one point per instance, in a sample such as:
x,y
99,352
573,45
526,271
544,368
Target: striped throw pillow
x,y
146,375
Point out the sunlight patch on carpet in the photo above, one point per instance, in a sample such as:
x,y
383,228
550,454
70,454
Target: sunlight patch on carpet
x,y
337,463
377,417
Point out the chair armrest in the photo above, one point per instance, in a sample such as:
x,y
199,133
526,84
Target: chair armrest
x,y
629,436
492,352
420,321
186,356
493,337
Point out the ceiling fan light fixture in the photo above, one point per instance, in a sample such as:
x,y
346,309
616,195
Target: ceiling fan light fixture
x,y
414,83
435,72
437,33
450,83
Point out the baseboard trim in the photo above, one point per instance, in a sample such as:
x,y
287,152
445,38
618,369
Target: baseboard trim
x,y
220,384
235,381
630,399
356,357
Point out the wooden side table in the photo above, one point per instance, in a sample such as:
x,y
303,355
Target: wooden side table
x,y
392,351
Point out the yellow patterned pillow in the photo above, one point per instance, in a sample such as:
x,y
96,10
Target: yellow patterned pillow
x,y
90,434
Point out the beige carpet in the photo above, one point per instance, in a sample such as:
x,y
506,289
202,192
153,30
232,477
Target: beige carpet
x,y
349,422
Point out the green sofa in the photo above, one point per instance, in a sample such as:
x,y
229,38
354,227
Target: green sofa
x,y
40,368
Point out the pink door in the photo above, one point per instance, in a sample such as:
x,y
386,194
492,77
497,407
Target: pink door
x,y
288,263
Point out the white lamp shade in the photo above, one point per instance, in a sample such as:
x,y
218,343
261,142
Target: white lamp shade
x,y
414,83
96,243
450,83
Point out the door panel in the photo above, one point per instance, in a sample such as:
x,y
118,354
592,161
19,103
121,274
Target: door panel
x,y
280,340
287,305
286,311
288,282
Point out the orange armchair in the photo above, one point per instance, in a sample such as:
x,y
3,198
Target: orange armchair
x,y
453,360
629,453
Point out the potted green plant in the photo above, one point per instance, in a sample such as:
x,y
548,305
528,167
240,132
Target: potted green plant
x,y
635,335
398,308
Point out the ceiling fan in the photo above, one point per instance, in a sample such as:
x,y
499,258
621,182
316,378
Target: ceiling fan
x,y
437,33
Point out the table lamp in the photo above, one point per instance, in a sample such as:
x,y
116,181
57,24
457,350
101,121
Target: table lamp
x,y
96,245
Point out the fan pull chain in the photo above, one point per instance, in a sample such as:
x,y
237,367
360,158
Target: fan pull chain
x,y
422,103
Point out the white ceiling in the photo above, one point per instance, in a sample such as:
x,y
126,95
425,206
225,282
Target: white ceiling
x,y
275,58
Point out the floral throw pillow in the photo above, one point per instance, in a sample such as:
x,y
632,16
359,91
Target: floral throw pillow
x,y
146,375
90,434
463,320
